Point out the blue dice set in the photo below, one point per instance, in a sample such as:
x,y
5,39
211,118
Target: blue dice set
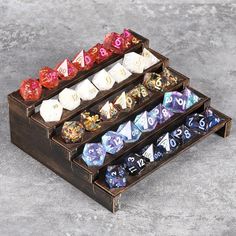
x,y
168,143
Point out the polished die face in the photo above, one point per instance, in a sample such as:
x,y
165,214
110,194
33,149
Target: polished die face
x,y
134,163
115,176
130,132
152,152
161,113
145,122
113,142
168,142
175,101
94,154
183,134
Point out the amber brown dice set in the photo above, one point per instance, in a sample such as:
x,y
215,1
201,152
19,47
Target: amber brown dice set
x,y
135,121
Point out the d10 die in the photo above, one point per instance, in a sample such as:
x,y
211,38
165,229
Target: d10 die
x,y
69,99
153,153
83,61
175,101
51,110
30,90
134,163
119,73
130,132
115,176
145,122
197,122
66,70
86,90
168,142
183,134
94,154
134,62
113,142
103,80
161,114
48,78
150,59
191,97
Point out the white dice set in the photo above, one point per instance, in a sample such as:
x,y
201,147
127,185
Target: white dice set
x,y
51,110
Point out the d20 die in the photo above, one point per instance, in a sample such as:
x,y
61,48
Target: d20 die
x,y
51,110
115,176
168,142
212,118
145,122
86,90
119,73
175,101
83,61
134,62
134,163
150,59
72,131
30,89
161,114
113,142
66,70
48,78
94,154
103,80
90,122
197,123
183,134
108,111
152,152
69,99
192,98
130,132
124,101
114,42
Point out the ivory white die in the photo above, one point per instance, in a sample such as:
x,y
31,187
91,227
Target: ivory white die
x,y
134,62
86,90
51,110
69,99
119,73
103,80
150,59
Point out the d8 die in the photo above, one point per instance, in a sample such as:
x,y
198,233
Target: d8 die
x,y
183,134
197,123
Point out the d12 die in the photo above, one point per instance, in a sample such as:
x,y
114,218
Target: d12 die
x,y
113,142
161,114
168,142
175,101
152,152
134,163
191,97
197,123
115,176
130,132
145,122
94,154
48,78
183,134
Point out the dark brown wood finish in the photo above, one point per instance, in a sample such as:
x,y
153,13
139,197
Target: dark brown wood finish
x,y
41,140
151,167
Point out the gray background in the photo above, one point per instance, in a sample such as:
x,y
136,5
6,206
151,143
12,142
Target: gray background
x,y
194,194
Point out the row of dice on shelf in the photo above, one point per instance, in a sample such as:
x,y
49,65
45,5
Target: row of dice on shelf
x,y
73,131
133,164
69,99
112,142
114,43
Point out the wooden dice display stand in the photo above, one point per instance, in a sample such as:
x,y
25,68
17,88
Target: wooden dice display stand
x,y
42,140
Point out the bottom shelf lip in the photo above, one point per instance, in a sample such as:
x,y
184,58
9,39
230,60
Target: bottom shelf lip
x,y
151,167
